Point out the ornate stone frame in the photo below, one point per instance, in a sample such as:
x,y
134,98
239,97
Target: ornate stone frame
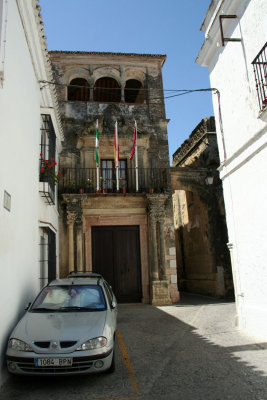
x,y
110,220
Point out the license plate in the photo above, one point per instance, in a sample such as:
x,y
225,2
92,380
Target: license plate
x,y
57,362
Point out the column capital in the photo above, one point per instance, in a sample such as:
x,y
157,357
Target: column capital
x,y
156,206
74,209
71,218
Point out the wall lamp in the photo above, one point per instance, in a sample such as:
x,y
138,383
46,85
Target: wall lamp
x,y
209,179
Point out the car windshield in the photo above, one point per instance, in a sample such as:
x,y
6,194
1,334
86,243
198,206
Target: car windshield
x,y
70,298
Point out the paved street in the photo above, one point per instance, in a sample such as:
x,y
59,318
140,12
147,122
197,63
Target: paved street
x,y
191,351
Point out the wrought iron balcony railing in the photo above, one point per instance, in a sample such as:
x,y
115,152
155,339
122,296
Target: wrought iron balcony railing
x,y
74,180
260,72
47,188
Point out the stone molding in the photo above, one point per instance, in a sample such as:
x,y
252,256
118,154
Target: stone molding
x,y
156,206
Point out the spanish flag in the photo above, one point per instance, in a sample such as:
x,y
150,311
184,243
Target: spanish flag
x,y
134,141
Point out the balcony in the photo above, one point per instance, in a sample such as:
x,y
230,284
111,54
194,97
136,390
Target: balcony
x,y
84,180
260,72
47,189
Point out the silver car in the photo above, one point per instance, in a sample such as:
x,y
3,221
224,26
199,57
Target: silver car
x,y
69,329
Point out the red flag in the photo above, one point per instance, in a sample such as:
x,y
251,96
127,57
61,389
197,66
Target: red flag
x,y
116,145
134,144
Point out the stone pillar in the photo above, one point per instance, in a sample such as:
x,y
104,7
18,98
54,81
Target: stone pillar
x,y
80,265
71,217
75,236
162,249
122,95
155,272
160,294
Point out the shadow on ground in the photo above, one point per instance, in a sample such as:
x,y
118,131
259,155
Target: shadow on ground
x,y
170,361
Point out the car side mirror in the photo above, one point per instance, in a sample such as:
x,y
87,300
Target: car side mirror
x,y
112,305
28,306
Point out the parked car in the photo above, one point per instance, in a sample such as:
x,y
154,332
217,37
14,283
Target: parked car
x,y
69,329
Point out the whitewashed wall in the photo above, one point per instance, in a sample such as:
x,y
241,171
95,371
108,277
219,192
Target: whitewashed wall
x,y
20,102
244,171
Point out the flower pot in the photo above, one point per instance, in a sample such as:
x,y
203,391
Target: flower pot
x,y
151,190
104,190
81,191
124,190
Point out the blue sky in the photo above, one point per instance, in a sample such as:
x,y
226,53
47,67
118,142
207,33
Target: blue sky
x,y
170,27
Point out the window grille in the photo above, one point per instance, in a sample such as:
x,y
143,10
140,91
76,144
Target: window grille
x,y
48,151
47,256
260,72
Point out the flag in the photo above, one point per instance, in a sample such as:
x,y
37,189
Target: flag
x,y
116,145
96,145
134,143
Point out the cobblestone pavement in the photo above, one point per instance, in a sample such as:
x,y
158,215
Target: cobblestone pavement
x,y
189,351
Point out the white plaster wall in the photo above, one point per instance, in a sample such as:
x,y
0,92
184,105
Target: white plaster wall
x,y
231,72
244,172
20,102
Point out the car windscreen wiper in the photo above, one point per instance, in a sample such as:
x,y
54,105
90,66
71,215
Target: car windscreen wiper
x,y
43,309
77,308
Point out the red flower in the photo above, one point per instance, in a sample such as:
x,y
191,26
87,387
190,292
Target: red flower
x,y
46,161
42,169
41,154
52,159
49,166
59,174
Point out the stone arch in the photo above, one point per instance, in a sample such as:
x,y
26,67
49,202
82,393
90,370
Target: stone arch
x,y
78,90
107,90
134,91
139,75
107,72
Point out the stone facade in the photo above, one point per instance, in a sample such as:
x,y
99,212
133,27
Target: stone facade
x,y
124,103
199,216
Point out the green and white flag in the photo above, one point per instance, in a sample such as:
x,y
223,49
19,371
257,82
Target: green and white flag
x,y
96,145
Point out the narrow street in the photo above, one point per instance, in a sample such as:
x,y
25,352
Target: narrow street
x,y
190,351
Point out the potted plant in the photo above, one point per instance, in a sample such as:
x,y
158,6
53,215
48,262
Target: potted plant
x,y
104,181
151,189
48,170
89,185
122,185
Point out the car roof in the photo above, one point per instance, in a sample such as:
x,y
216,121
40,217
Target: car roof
x,y
76,281
80,274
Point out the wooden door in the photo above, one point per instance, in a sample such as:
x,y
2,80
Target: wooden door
x,y
116,255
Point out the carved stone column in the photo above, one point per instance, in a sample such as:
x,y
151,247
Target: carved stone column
x,y
155,272
71,217
162,249
79,241
75,236
159,285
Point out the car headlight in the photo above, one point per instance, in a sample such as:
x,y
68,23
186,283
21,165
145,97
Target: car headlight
x,y
18,345
95,343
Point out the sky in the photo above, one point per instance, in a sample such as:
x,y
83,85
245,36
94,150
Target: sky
x,y
170,27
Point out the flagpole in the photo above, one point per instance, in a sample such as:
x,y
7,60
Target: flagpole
x,y
136,160
97,157
117,156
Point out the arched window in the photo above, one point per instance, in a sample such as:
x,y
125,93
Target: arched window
x,y
107,90
78,90
134,92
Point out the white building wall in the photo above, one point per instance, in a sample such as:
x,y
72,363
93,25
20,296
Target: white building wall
x,y
20,101
245,136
